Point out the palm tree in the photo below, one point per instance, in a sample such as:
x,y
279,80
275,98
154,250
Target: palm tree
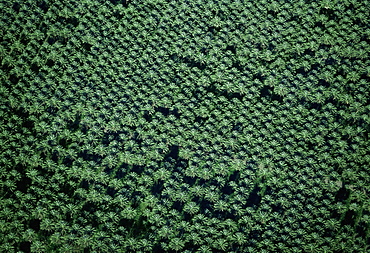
x,y
191,171
46,224
29,235
204,249
205,173
221,205
211,195
191,208
195,238
162,174
165,232
177,243
222,244
38,246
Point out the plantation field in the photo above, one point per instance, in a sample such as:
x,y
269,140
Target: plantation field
x,y
184,126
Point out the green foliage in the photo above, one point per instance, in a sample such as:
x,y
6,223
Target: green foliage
x,y
144,126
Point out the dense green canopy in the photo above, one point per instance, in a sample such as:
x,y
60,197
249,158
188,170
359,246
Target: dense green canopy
x,y
184,126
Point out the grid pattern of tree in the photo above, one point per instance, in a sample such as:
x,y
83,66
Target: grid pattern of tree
x,y
184,126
